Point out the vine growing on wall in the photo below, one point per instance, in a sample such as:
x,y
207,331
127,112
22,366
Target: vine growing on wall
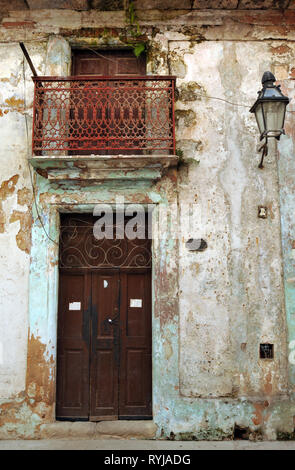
x,y
134,29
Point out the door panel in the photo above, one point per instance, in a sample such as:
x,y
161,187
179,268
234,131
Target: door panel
x,y
105,346
89,64
135,359
107,63
73,346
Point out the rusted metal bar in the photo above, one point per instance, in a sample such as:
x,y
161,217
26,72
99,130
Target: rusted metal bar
x,y
91,78
26,54
101,115
173,116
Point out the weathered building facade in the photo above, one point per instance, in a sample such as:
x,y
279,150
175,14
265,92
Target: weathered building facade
x,y
211,309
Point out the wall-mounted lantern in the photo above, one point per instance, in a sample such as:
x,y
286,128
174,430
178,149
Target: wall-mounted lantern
x,y
270,110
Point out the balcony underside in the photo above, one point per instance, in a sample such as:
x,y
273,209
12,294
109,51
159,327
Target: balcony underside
x,y
97,168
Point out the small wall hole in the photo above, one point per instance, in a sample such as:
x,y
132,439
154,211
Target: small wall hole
x,y
241,433
196,244
266,351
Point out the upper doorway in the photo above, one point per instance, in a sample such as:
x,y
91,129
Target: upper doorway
x,y
106,118
107,63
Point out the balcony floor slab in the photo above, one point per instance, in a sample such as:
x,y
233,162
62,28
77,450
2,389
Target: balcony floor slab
x,y
103,167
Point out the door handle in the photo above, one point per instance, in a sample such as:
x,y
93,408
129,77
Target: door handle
x,y
113,321
107,323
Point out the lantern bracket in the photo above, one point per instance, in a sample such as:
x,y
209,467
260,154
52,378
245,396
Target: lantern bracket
x,y
272,133
264,148
264,145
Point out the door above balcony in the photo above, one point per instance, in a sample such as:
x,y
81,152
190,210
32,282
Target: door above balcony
x,y
103,128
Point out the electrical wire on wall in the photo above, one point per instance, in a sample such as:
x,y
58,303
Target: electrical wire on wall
x,y
248,106
97,53
229,102
202,95
28,155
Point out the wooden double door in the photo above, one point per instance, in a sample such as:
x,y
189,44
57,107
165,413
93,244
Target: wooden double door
x,y
104,345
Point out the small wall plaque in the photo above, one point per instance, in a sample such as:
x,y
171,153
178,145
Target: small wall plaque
x,y
262,212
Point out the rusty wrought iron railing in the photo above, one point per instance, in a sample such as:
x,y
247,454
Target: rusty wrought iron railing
x,y
101,115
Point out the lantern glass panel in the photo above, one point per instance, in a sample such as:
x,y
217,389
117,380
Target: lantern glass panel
x,y
274,113
259,118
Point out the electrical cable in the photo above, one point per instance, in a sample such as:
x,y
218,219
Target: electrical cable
x,y
230,102
224,100
97,53
30,171
198,94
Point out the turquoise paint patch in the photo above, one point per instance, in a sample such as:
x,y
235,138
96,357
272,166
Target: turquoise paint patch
x,y
286,166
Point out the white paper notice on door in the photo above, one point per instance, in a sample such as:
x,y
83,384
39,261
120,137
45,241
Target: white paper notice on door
x,y
136,303
75,306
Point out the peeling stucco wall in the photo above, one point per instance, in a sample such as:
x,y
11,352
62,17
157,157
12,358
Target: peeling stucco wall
x,y
238,285
15,222
211,309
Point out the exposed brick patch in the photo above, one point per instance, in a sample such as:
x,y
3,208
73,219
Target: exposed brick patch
x,y
18,24
283,49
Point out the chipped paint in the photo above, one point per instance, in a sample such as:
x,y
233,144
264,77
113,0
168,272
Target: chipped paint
x,y
15,104
7,188
23,237
23,414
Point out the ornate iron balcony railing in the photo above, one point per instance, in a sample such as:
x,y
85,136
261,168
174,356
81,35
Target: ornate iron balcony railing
x,y
104,115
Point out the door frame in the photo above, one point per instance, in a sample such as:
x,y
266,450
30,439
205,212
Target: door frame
x,y
44,281
53,279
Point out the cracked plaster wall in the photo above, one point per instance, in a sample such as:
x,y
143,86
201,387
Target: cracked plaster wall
x,y
219,304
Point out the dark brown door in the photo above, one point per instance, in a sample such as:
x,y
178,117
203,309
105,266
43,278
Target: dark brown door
x,y
104,329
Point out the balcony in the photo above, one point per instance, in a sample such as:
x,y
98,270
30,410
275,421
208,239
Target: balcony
x,y
102,128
